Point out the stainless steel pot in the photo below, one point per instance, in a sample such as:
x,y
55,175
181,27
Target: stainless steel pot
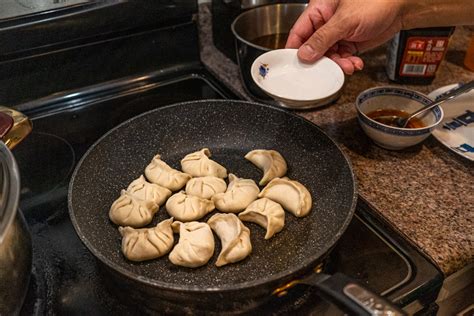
x,y
249,28
15,238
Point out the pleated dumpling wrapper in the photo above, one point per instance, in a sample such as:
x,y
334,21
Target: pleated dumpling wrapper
x,y
198,164
161,173
128,210
147,191
239,194
205,187
292,195
234,236
147,243
266,213
187,208
196,244
270,161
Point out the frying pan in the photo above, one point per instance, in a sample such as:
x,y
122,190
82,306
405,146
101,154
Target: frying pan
x,y
230,129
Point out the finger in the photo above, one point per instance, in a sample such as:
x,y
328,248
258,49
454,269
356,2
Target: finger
x,y
345,47
357,62
302,29
346,65
324,37
344,59
294,40
333,55
347,50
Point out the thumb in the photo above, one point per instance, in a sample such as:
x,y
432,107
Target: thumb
x,y
321,40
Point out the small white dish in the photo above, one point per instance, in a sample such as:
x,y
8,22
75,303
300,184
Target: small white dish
x,y
456,130
395,138
281,75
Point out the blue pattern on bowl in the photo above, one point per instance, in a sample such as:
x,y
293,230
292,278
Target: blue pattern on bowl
x,y
398,92
263,70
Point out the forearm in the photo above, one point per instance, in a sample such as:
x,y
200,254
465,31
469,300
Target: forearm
x,y
432,13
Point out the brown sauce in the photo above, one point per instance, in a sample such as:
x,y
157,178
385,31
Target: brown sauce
x,y
377,115
272,41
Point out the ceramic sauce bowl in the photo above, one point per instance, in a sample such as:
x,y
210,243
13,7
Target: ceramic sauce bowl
x,y
398,99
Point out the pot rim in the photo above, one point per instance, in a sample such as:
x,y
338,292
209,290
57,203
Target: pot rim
x,y
10,189
240,16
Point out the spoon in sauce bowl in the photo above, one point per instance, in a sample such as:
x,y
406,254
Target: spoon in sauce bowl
x,y
401,119
388,117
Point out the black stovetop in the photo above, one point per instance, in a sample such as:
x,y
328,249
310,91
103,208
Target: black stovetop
x,y
66,277
129,65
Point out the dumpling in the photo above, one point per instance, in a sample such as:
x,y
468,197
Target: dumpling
x,y
187,208
128,210
147,191
147,243
270,161
292,195
239,194
160,173
198,164
205,187
266,213
234,236
196,244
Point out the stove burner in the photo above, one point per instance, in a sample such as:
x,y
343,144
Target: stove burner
x,y
43,181
68,280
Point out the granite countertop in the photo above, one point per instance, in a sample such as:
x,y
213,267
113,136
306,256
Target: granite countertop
x,y
425,192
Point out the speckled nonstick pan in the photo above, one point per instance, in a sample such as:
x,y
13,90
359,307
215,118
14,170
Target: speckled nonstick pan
x,y
230,129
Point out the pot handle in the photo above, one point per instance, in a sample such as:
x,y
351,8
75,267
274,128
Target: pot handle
x,y
350,295
14,126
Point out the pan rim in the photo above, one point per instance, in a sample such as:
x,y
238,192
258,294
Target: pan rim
x,y
288,273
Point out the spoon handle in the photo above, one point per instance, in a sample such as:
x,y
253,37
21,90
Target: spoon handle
x,y
449,96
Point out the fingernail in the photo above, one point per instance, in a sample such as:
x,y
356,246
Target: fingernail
x,y
307,52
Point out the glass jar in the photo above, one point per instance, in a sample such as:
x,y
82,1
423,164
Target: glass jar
x,y
414,56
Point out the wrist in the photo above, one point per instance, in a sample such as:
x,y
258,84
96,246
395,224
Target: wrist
x,y
415,14
431,13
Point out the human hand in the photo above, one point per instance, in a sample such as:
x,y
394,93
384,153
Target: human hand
x,y
340,29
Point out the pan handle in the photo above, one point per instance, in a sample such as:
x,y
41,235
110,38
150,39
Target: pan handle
x,y
350,295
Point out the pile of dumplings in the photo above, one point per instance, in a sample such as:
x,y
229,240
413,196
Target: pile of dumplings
x,y
204,191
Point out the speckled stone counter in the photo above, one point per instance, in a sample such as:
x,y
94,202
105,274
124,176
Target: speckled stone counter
x,y
426,192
